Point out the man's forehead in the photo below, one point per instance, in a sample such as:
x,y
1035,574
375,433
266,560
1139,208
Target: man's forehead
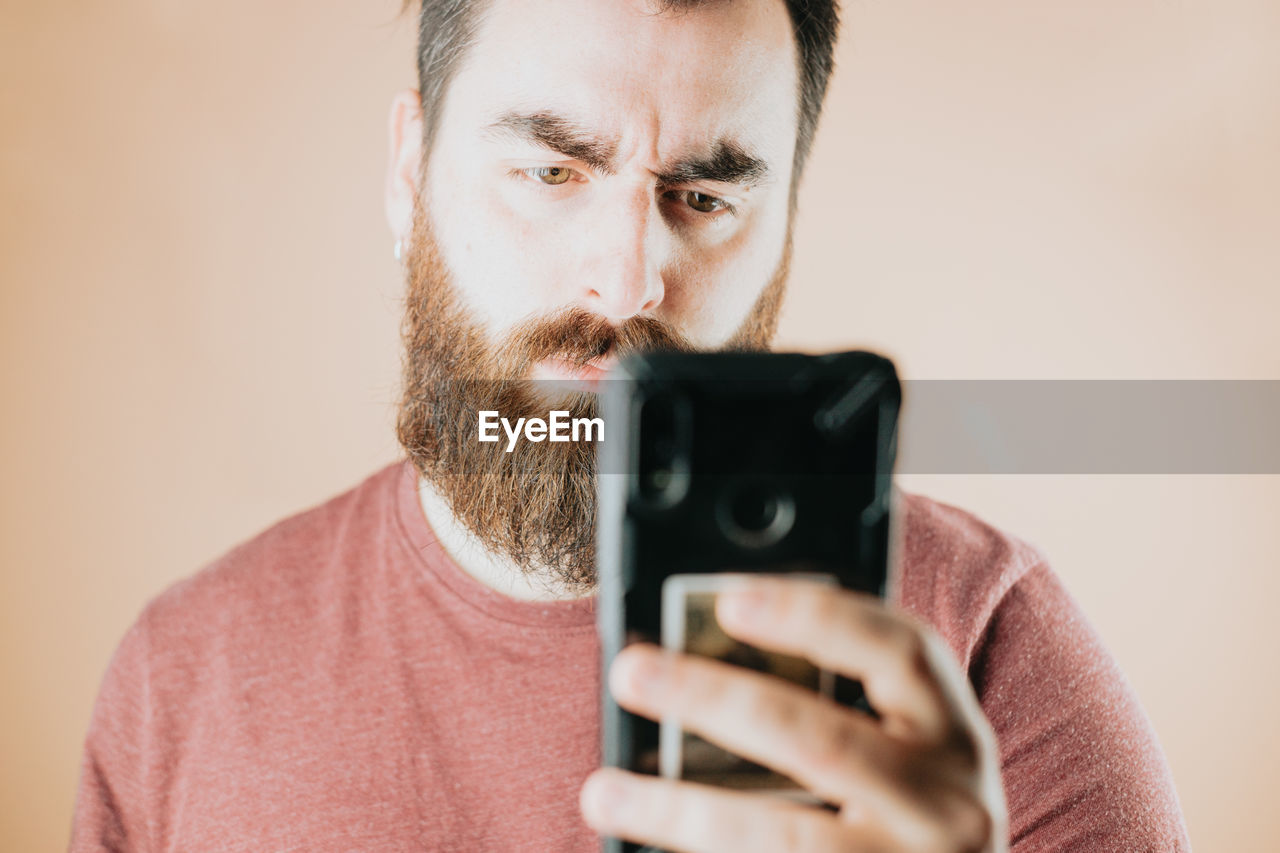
x,y
717,78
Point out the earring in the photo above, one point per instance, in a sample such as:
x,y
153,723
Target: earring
x,y
399,249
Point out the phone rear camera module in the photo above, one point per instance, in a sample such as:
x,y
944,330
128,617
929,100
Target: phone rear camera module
x,y
755,515
662,461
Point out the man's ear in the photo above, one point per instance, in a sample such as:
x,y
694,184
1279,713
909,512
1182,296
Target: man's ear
x,y
405,137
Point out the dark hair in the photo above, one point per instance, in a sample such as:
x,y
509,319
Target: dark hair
x,y
446,28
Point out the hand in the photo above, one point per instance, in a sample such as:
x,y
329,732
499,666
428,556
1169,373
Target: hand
x,y
924,777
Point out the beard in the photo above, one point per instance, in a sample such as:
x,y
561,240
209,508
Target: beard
x,y
536,504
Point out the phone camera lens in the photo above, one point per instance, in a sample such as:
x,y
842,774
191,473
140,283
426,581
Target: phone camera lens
x,y
754,509
756,515
659,480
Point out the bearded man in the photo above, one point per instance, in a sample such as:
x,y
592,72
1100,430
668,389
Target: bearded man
x,y
414,664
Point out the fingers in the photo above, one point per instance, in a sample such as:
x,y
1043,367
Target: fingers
x,y
700,819
896,660
836,753
924,776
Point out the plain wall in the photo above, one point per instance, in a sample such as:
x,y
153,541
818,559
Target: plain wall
x,y
200,314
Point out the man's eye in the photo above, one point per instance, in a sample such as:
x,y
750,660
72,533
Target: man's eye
x,y
553,175
700,202
704,203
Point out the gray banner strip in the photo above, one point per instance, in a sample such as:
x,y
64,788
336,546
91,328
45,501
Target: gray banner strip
x,y
1090,427
1026,426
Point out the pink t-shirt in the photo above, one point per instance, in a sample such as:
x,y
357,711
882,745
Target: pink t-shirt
x,y
337,683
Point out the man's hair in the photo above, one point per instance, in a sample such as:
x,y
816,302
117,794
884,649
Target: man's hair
x,y
446,28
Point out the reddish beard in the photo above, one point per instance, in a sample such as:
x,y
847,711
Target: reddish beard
x,y
536,504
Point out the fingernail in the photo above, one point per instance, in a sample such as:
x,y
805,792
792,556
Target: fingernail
x,y
643,672
745,605
604,796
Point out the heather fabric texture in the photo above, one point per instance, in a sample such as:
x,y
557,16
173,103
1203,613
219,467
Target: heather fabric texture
x,y
337,683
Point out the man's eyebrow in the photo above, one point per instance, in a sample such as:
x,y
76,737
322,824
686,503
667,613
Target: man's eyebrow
x,y
559,134
729,163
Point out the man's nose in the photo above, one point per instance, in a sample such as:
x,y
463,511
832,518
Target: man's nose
x,y
628,247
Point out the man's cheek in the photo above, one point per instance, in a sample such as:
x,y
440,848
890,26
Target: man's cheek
x,y
546,263
489,258
709,300
512,281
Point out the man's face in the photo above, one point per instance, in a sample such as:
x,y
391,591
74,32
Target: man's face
x,y
603,179
599,155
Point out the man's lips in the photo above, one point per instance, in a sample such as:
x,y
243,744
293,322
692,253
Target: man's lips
x,y
584,376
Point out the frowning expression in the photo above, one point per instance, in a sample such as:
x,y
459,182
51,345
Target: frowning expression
x,y
606,156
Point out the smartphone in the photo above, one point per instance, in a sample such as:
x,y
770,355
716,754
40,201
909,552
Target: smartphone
x,y
719,464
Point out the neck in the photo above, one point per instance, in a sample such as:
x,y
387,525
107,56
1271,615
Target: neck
x,y
486,566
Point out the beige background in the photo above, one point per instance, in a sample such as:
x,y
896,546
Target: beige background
x,y
200,314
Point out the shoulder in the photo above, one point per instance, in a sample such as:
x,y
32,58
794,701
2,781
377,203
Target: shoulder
x,y
210,674
954,568
272,581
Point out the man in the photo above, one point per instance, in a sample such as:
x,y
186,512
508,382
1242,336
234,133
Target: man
x,y
413,665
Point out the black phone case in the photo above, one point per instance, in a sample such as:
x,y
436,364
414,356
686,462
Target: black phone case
x,y
737,462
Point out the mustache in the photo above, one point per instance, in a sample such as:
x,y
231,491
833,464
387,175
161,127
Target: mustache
x,y
578,336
